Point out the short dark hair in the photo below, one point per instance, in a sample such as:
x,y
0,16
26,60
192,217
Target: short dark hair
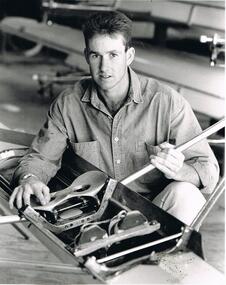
x,y
108,23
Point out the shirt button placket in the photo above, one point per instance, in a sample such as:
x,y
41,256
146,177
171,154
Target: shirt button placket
x,y
116,147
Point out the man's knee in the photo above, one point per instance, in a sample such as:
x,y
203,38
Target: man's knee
x,y
182,200
185,192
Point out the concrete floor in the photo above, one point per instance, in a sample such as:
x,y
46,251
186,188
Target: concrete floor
x,y
22,108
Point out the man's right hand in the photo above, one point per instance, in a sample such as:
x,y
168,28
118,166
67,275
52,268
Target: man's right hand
x,y
31,186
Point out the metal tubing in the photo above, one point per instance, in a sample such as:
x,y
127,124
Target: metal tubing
x,y
206,133
208,205
4,197
44,267
137,248
75,7
11,219
209,131
136,231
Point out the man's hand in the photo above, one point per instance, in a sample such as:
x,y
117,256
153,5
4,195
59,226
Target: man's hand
x,y
169,161
31,186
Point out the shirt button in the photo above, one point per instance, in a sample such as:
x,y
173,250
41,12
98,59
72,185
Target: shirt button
x,y
118,161
116,139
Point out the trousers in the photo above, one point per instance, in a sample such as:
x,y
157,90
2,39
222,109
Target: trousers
x,y
182,200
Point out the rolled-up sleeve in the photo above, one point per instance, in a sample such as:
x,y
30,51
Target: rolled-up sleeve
x,y
208,174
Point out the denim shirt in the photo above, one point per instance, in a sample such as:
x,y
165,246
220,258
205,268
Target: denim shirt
x,y
119,145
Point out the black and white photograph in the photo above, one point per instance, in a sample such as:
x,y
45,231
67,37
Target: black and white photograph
x,y
112,142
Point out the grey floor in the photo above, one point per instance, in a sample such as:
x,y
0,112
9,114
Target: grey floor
x,y
22,108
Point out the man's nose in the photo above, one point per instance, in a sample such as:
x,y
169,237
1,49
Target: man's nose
x,y
104,63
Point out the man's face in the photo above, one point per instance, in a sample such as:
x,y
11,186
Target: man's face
x,y
108,60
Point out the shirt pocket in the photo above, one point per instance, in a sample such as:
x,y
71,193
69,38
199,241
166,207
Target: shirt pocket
x,y
90,151
143,152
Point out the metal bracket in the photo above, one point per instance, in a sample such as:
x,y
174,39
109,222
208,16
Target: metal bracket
x,y
32,215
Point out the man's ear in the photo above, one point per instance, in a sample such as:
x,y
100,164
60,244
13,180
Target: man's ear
x,y
130,53
86,55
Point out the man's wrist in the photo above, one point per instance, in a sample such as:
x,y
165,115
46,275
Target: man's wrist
x,y
27,176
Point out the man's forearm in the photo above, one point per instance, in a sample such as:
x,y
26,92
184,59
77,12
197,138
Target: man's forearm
x,y
34,165
188,174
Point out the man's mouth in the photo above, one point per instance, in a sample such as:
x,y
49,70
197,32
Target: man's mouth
x,y
105,76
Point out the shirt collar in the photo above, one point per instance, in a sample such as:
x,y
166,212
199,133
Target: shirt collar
x,y
90,94
88,91
135,88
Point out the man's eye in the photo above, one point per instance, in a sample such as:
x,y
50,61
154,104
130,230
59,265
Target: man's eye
x,y
94,55
113,55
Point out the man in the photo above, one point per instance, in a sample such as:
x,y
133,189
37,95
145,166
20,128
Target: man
x,y
120,121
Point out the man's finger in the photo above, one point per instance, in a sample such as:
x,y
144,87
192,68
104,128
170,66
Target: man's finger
x,y
46,193
163,164
173,152
39,194
167,172
19,196
12,197
165,145
27,195
170,160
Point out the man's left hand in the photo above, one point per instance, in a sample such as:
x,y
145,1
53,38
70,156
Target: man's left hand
x,y
168,160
